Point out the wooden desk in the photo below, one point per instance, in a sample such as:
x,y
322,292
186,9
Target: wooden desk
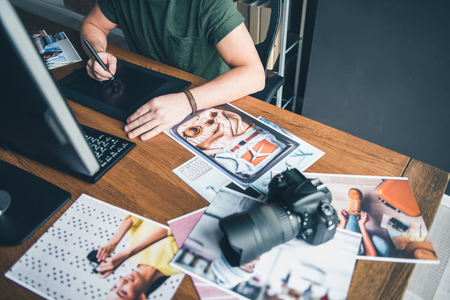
x,y
143,182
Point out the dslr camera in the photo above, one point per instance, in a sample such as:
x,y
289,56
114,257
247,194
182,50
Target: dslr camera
x,y
296,207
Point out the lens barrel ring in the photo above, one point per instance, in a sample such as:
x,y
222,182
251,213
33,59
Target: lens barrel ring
x,y
290,225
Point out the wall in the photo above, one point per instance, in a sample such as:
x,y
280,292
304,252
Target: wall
x,y
79,6
380,70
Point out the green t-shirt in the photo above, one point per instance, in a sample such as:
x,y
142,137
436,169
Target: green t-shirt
x,y
180,33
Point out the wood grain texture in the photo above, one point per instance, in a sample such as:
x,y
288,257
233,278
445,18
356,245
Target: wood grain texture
x,y
143,182
428,184
389,280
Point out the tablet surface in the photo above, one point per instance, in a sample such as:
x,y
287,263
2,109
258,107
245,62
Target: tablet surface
x,y
133,87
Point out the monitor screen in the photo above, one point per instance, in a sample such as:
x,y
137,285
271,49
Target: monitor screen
x,y
35,119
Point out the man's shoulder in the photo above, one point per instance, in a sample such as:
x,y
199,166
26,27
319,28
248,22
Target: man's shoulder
x,y
223,5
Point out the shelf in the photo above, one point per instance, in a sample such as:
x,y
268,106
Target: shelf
x,y
290,50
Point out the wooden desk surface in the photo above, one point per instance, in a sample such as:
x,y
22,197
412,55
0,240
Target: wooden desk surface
x,y
143,182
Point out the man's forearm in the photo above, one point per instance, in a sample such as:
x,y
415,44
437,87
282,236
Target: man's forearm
x,y
246,75
232,85
95,36
95,27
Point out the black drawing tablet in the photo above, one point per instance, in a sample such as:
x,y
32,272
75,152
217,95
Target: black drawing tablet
x,y
133,87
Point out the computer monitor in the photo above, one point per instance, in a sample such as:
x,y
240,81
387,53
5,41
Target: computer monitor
x,y
35,119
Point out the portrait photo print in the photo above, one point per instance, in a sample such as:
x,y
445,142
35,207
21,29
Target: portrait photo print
x,y
61,264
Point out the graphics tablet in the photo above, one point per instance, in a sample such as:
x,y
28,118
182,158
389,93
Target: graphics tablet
x,y
133,87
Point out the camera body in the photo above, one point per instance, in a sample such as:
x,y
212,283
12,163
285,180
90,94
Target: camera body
x,y
296,207
310,200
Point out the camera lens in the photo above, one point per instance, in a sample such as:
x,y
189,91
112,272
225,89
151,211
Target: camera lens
x,y
248,235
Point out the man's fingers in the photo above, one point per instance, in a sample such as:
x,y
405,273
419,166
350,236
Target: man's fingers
x,y
112,65
141,111
96,71
140,126
100,72
152,133
157,115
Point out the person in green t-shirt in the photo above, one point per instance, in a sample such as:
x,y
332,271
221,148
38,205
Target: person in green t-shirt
x,y
204,37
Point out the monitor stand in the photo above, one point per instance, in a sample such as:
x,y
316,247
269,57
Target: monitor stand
x,y
26,203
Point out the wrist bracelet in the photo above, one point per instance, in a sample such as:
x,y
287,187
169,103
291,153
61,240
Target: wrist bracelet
x,y
191,101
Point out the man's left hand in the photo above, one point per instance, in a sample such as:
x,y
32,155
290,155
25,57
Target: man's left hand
x,y
157,115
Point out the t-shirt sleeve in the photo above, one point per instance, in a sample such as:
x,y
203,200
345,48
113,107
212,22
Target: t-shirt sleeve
x,y
108,8
219,18
136,223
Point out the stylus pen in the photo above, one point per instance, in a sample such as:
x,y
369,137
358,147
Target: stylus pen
x,y
98,59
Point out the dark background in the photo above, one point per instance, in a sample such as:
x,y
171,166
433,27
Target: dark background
x,y
380,70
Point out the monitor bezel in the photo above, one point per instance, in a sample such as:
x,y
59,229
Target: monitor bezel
x,y
21,41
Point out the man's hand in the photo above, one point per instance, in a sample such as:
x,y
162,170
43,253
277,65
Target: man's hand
x,y
157,115
245,77
96,71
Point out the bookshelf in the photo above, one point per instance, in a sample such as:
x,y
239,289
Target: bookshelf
x,y
289,43
287,50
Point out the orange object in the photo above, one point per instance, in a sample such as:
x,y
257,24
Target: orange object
x,y
259,152
398,194
355,202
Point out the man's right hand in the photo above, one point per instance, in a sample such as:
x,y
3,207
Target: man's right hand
x,y
96,71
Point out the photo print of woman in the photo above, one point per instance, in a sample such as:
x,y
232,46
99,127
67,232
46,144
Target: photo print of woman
x,y
133,253
149,247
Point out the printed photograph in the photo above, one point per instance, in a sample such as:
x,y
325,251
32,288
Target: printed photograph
x,y
202,176
97,251
237,144
385,212
55,50
37,42
291,269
